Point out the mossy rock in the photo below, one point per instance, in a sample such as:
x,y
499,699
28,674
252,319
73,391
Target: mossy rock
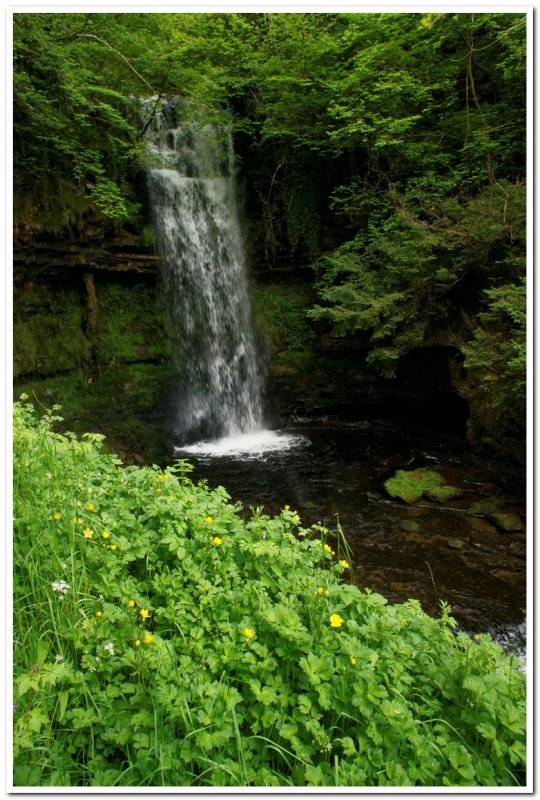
x,y
409,526
442,494
456,544
412,486
509,523
489,505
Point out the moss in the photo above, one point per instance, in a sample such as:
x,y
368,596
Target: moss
x,y
49,328
115,403
409,526
489,505
48,334
130,325
280,313
412,486
442,494
146,238
509,523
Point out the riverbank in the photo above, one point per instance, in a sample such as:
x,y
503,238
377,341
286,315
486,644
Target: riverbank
x,y
166,639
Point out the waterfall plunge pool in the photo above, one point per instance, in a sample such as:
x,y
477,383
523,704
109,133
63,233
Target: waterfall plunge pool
x,y
333,469
246,446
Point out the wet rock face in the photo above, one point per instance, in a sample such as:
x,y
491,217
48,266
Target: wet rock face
x,y
124,252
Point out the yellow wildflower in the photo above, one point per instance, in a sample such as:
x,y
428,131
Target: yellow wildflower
x,y
106,534
99,613
158,490
327,593
90,506
476,637
295,516
137,643
144,613
87,533
208,520
320,590
218,540
344,563
57,515
77,521
336,621
249,633
353,660
166,476
286,508
147,638
131,603
112,547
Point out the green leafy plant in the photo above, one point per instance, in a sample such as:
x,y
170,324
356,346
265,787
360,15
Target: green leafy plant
x,y
164,638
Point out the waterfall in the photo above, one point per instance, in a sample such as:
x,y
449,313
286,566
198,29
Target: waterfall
x,y
191,184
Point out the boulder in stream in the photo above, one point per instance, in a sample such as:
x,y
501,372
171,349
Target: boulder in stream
x,y
456,544
486,506
409,525
413,485
508,523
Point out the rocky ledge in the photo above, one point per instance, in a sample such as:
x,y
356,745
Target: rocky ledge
x,y
120,253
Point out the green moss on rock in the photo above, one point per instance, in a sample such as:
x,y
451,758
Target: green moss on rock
x,y
509,523
442,494
48,335
456,544
116,403
130,326
489,505
413,485
409,525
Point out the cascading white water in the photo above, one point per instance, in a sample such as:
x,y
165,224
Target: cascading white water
x,y
196,226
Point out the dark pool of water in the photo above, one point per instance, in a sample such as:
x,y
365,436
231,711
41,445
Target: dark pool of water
x,y
337,473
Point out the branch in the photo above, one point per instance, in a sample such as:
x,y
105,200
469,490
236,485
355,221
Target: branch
x,y
71,36
93,36
151,117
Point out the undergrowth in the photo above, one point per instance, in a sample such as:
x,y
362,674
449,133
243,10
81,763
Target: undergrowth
x,y
162,639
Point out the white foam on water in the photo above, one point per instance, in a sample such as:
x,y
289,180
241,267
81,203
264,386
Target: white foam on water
x,y
247,445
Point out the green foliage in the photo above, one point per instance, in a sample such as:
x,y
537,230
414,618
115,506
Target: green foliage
x,y
281,314
69,122
496,358
160,639
410,486
413,123
404,279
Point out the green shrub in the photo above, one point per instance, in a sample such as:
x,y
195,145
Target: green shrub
x,y
161,639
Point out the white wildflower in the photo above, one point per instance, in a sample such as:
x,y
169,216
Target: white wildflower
x,y
60,586
109,647
58,658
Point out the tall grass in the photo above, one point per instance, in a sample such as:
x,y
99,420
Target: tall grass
x,y
162,639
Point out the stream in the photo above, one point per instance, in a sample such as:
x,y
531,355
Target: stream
x,y
332,469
